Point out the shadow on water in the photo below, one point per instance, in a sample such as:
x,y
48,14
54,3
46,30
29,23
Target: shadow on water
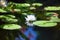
x,y
48,33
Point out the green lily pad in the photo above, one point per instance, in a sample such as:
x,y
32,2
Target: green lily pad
x,y
49,13
11,16
8,18
2,16
31,8
25,5
37,4
52,8
17,5
17,10
11,26
24,13
55,20
11,20
44,24
1,10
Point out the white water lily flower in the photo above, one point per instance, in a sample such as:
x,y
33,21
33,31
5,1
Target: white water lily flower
x,y
30,18
3,3
29,24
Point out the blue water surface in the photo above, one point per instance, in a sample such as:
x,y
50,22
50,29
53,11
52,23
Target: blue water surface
x,y
30,31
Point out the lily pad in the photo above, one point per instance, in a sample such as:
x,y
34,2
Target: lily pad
x,y
37,4
55,20
1,10
17,10
22,5
31,8
52,8
11,26
49,13
11,20
26,5
8,18
44,23
11,16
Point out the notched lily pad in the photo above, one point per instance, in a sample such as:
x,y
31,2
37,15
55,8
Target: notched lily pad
x,y
11,26
44,24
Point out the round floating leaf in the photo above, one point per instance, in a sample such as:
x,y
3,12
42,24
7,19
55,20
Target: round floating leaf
x,y
52,8
3,11
11,16
2,16
21,5
44,24
17,10
7,16
37,4
11,20
11,26
49,13
24,13
55,19
26,5
31,8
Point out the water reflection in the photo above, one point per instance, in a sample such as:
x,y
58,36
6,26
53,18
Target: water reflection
x,y
29,33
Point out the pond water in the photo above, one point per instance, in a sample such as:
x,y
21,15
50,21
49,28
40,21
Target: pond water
x,y
29,33
32,34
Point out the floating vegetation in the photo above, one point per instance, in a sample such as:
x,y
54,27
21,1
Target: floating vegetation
x,y
44,23
52,8
37,4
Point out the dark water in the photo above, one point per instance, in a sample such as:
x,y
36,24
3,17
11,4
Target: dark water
x,y
48,33
7,34
38,33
